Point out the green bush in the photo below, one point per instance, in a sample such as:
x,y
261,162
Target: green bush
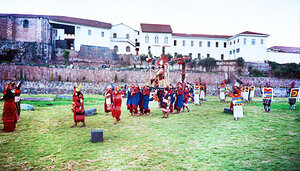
x,y
240,61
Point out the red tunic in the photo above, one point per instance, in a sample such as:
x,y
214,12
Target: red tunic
x,y
79,114
9,112
108,101
117,103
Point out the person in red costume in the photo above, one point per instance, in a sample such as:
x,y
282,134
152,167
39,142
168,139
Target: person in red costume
x,y
108,100
73,100
18,99
9,116
146,99
165,106
236,93
186,99
79,112
117,103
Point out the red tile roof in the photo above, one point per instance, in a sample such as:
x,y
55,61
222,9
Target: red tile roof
x,y
64,19
156,28
284,49
201,35
254,33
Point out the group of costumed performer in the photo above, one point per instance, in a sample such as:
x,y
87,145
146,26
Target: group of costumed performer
x,y
138,98
293,92
78,106
199,93
113,101
248,92
11,109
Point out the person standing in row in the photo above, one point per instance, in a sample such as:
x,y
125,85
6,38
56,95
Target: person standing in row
x,y
18,99
9,116
165,105
108,99
79,112
117,103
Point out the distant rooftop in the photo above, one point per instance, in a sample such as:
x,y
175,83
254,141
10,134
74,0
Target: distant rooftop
x,y
253,33
156,28
71,20
284,49
201,35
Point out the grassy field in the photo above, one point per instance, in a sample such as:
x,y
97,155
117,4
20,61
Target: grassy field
x,y
205,138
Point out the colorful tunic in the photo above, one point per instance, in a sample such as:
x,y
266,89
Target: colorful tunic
x,y
9,112
146,99
129,100
117,103
165,103
179,99
79,112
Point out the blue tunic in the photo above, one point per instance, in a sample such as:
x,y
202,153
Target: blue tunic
x,y
136,99
129,98
172,98
146,102
179,101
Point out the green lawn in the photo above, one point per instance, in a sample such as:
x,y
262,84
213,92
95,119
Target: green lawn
x,y
205,138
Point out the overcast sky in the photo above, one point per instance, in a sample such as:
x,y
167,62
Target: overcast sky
x,y
279,18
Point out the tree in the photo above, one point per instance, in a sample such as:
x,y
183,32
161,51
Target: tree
x,y
193,63
240,61
116,78
209,63
169,57
66,55
143,57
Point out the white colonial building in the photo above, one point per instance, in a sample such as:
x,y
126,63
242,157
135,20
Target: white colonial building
x,y
284,54
123,39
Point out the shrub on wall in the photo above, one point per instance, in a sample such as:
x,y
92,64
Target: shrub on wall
x,y
240,61
51,78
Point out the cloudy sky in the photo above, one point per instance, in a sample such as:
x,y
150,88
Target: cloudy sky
x,y
279,18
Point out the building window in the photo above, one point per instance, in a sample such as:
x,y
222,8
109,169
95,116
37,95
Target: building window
x,y
233,51
208,55
230,52
200,43
234,42
217,44
127,36
199,55
261,41
183,43
175,42
25,23
146,39
225,44
127,49
208,44
166,40
238,40
89,32
222,56
116,48
191,55
252,41
192,43
245,40
102,34
238,50
156,39
115,35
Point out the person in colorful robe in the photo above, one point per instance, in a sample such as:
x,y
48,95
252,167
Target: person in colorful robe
x,y
108,99
165,105
79,112
146,100
267,96
186,99
73,100
129,99
222,92
293,94
172,98
9,116
202,93
116,104
197,93
18,99
135,100
236,105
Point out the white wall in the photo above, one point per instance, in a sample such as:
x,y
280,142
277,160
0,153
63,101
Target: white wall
x,y
282,58
156,48
250,53
203,50
95,39
121,41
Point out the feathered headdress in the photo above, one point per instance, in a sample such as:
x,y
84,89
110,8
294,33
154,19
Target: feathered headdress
x,y
78,88
19,84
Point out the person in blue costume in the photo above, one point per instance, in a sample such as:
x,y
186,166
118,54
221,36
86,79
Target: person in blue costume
x,y
129,99
146,99
172,96
135,99
179,98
